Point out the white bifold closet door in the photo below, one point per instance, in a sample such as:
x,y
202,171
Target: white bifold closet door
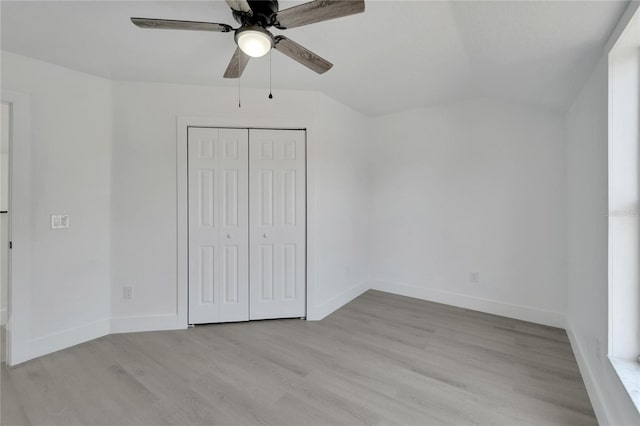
x,y
218,225
247,224
277,223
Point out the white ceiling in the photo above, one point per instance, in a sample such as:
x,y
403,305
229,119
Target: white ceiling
x,y
396,55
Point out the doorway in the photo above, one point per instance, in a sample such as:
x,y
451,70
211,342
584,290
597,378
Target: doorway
x,y
18,220
246,224
5,137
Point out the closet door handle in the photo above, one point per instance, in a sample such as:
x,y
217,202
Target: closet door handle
x,y
228,236
264,235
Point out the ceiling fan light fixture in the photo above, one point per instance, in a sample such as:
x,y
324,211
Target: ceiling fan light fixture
x,y
254,41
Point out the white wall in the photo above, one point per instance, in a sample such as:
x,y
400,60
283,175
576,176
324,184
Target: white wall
x,y
341,174
587,313
70,174
144,221
473,186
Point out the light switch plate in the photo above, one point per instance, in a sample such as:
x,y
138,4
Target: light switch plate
x,y
59,221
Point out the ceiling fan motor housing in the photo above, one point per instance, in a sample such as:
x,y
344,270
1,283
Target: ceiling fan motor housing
x,y
263,13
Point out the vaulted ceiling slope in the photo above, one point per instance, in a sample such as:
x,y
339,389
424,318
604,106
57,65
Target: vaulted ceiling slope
x,y
397,55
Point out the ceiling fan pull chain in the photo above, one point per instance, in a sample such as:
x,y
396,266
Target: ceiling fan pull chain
x,y
239,78
270,95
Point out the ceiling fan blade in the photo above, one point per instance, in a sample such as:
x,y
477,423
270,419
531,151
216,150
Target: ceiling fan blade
x,y
237,64
239,5
302,55
317,11
170,24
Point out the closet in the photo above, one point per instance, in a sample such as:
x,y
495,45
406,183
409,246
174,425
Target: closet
x,y
247,224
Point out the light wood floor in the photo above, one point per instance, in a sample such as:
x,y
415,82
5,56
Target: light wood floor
x,y
382,359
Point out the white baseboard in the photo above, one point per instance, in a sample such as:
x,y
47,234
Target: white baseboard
x,y
134,324
525,313
3,317
593,388
18,352
25,351
64,339
319,312
73,336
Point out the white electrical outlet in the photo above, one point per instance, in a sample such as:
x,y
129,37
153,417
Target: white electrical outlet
x,y
59,221
474,277
127,293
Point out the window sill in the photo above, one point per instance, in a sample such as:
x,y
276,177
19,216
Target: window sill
x,y
629,374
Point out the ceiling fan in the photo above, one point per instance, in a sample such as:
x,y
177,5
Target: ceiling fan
x,y
253,37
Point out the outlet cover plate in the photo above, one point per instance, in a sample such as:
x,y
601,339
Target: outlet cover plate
x,y
59,221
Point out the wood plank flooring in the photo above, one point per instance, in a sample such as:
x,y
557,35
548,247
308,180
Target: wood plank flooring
x,y
382,359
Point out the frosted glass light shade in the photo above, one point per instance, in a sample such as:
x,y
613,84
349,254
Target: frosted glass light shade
x,y
254,43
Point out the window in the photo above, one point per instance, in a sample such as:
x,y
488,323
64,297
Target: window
x,y
624,191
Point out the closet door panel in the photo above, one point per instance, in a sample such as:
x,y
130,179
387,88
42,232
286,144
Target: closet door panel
x,y
204,275
234,241
218,225
277,226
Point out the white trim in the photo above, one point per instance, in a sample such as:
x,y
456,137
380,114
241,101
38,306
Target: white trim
x,y
20,220
182,308
593,387
626,17
66,338
495,307
318,312
132,324
628,372
182,124
622,336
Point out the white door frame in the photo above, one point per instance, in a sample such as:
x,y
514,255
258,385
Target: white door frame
x,y
182,125
20,220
